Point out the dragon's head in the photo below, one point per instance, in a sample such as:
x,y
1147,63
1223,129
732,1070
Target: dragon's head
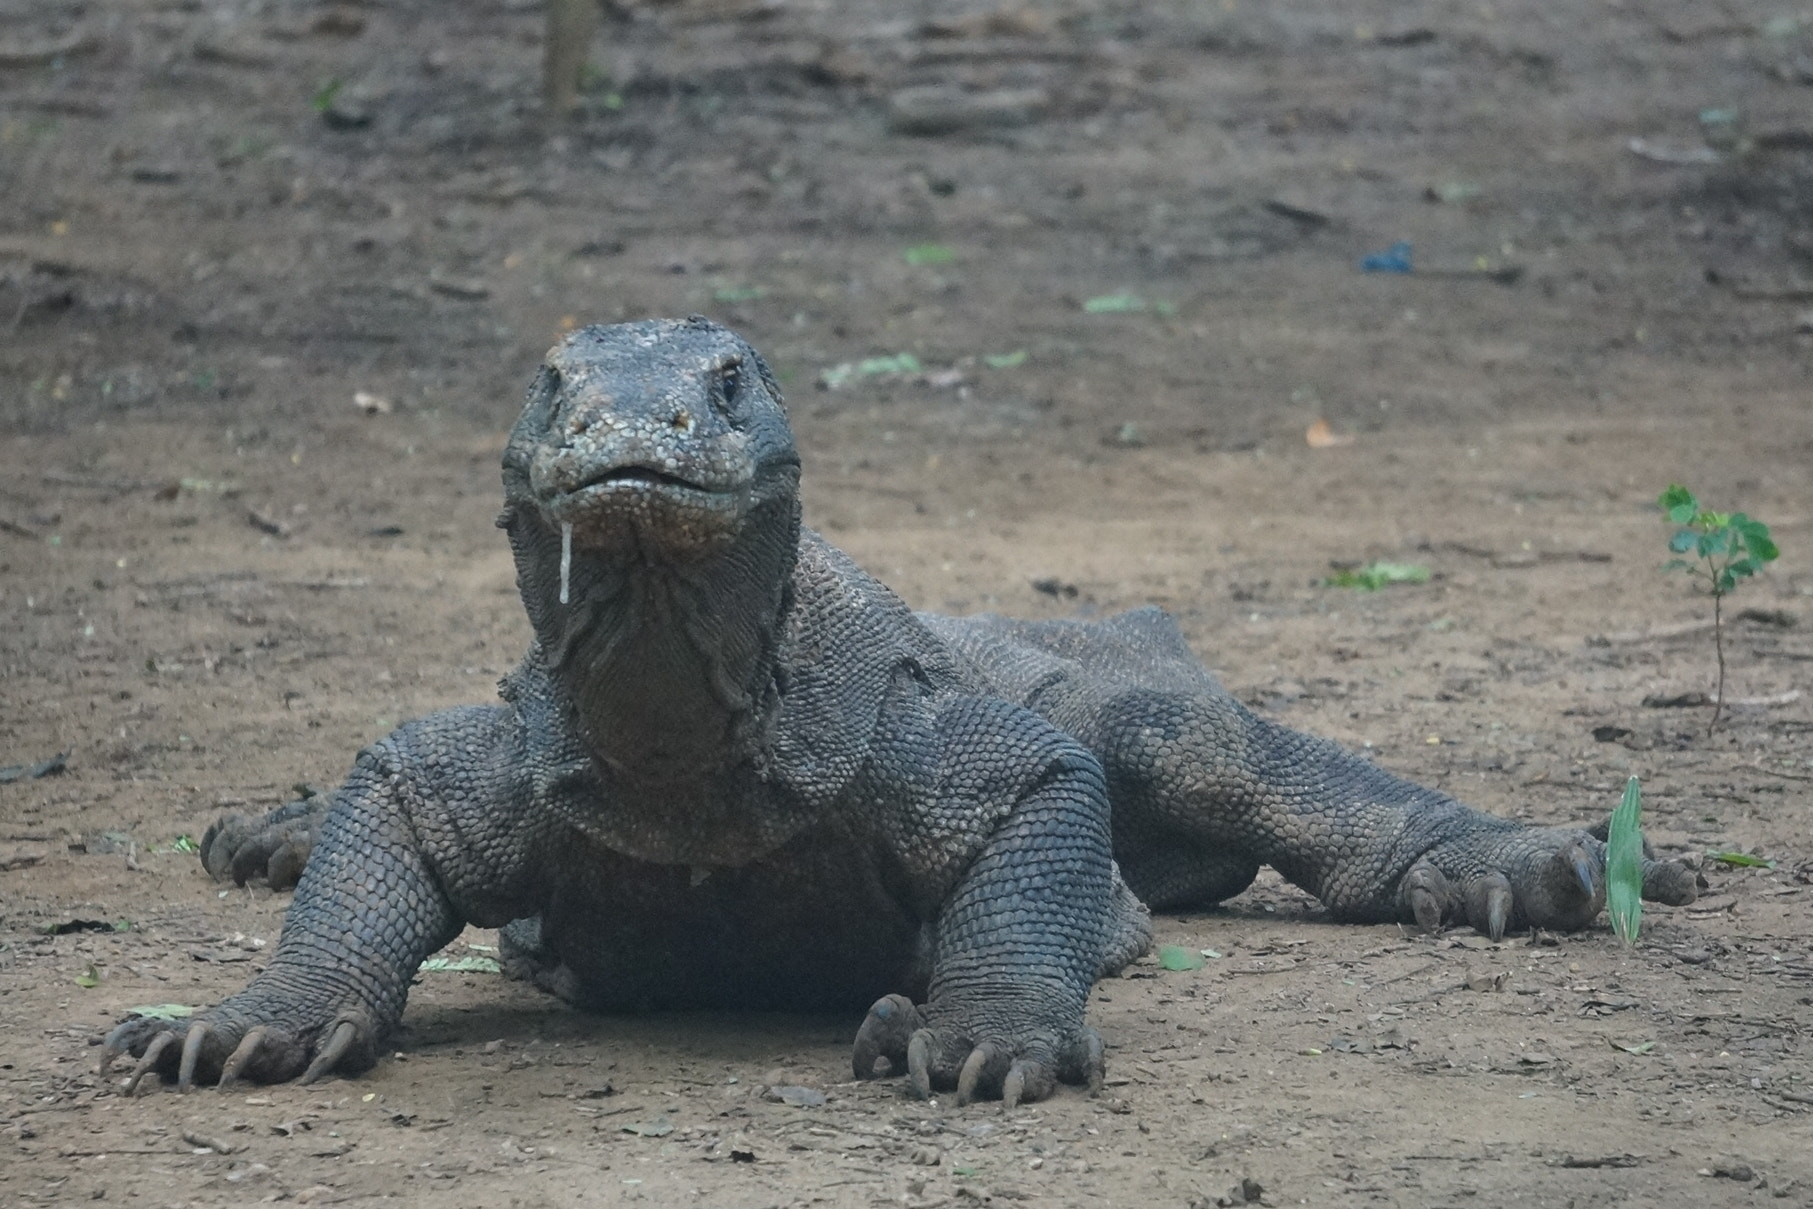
x,y
652,441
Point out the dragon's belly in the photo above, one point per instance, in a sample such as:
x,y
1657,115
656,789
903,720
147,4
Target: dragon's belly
x,y
815,926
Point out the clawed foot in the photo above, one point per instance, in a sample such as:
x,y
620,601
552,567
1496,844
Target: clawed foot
x,y
942,1057
275,846
208,1049
1553,878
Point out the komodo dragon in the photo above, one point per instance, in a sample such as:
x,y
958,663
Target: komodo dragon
x,y
735,771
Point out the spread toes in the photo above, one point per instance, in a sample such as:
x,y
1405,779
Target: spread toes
x,y
935,1059
211,1050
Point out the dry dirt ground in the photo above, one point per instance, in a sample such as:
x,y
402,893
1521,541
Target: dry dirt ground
x,y
220,574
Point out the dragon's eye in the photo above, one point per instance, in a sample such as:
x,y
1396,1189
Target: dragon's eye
x,y
730,382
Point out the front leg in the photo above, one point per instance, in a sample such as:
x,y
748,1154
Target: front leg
x,y
372,903
1027,927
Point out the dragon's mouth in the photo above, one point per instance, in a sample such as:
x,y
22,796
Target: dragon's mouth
x,y
645,507
641,478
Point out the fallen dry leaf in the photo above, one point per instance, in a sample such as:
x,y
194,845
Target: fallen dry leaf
x,y
1321,436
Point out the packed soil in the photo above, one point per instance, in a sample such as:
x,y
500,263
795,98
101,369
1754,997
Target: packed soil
x,y
1059,294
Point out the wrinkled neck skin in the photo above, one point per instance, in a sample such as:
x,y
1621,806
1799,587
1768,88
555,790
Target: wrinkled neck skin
x,y
668,665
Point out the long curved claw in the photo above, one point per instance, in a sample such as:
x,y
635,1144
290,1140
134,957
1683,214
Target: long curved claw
x,y
220,841
919,1064
1426,893
885,1031
192,1043
148,1063
1026,1081
337,1047
252,860
1584,866
1489,903
986,1065
246,1050
284,868
1094,1062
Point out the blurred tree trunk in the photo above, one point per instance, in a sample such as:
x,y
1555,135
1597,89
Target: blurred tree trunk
x,y
571,24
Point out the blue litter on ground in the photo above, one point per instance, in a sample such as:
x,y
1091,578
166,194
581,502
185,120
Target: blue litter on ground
x,y
1395,259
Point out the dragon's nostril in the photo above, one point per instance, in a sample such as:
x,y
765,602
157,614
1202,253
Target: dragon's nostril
x,y
682,421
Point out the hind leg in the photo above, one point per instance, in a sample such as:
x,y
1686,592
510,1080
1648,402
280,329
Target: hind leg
x,y
524,956
1170,873
1194,777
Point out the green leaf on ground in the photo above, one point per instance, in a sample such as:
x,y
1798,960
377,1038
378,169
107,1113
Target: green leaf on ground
x,y
660,1127
1742,860
1115,304
163,1011
1376,575
1013,360
1176,957
462,965
89,977
928,253
869,367
1127,304
899,363
738,293
1624,865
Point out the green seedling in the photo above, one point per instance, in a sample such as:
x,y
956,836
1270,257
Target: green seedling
x,y
1376,575
324,97
1624,865
1727,548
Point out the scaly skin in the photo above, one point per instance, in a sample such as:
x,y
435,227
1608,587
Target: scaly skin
x,y
735,771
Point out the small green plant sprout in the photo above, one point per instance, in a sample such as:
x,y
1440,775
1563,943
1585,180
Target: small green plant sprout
x,y
324,97
1727,548
1624,865
1375,575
